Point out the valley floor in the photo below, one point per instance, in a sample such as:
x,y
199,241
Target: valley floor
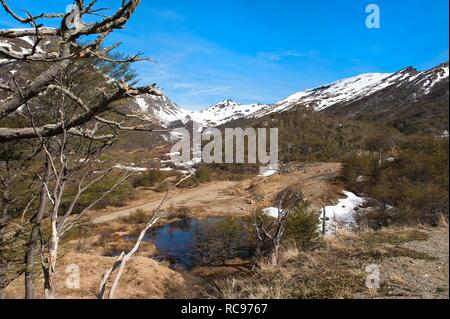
x,y
413,262
232,198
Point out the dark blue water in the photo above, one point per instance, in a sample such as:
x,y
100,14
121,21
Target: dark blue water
x,y
181,243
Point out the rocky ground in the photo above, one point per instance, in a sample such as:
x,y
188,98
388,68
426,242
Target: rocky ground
x,y
409,277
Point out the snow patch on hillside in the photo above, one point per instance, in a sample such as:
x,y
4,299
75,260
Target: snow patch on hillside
x,y
343,213
339,91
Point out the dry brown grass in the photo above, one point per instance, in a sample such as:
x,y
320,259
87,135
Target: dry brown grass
x,y
336,270
143,278
304,275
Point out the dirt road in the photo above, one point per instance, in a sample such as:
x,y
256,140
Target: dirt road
x,y
237,198
214,197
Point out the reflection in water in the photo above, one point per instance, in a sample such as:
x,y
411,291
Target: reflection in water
x,y
191,242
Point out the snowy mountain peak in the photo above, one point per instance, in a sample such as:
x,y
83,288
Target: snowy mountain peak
x,y
225,111
224,104
343,90
331,96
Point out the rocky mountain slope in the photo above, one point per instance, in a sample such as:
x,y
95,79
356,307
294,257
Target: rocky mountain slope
x,y
413,101
407,99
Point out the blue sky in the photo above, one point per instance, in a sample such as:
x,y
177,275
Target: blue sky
x,y
264,50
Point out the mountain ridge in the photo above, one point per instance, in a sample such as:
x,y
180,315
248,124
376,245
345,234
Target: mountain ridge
x,y
398,98
356,97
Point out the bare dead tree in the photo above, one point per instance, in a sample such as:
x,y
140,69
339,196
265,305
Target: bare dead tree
x,y
78,119
71,30
67,164
273,229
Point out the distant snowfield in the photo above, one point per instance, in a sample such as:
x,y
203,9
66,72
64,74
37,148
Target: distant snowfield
x,y
130,168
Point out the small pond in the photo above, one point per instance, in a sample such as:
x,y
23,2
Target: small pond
x,y
192,242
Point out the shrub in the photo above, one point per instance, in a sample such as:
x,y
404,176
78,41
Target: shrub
x,y
203,174
189,182
162,187
303,227
290,197
179,212
148,179
217,242
415,184
118,197
355,166
138,217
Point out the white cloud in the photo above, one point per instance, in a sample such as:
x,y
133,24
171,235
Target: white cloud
x,y
278,55
210,91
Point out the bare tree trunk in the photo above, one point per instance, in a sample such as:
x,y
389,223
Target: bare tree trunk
x,y
49,272
53,242
29,263
32,248
277,242
3,222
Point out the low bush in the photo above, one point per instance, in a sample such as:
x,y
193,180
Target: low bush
x,y
162,187
203,175
178,213
152,178
138,217
408,189
302,226
118,197
189,182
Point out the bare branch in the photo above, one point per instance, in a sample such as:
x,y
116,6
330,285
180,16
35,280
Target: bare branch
x,y
123,258
30,19
32,89
116,21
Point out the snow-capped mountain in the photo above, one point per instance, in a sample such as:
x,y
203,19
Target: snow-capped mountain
x,y
226,111
366,96
412,101
160,109
163,111
355,89
19,46
373,96
340,91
